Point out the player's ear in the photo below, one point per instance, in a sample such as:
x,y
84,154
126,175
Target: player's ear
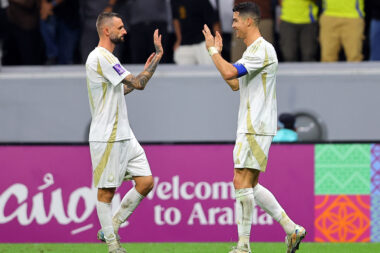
x,y
106,30
249,21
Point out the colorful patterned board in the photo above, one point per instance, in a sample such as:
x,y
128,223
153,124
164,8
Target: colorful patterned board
x,y
342,218
342,192
375,193
342,169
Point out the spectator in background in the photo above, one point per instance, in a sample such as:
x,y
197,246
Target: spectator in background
x,y
266,28
374,36
22,46
89,11
3,24
224,10
298,30
287,131
145,16
60,30
342,24
188,20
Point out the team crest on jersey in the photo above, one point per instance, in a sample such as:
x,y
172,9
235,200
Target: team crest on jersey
x,y
119,69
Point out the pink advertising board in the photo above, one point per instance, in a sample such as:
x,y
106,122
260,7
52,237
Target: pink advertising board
x,y
46,194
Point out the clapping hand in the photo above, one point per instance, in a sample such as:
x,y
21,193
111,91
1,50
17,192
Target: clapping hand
x,y
212,41
218,42
209,39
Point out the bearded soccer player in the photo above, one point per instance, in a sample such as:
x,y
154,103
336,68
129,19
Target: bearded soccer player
x,y
255,75
115,152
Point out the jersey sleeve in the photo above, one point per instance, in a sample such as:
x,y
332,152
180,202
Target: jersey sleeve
x,y
249,63
111,69
256,61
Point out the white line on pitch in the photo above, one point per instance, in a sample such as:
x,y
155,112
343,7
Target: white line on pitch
x,y
79,230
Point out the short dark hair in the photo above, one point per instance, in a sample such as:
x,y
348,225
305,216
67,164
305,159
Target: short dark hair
x,y
288,120
103,17
249,8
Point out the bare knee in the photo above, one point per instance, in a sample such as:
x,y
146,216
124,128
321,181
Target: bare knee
x,y
144,184
106,194
237,180
245,178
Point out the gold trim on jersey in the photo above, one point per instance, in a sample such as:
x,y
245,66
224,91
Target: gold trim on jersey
x,y
99,69
240,145
249,121
264,79
255,47
264,75
259,70
110,58
114,130
90,94
105,157
104,85
257,152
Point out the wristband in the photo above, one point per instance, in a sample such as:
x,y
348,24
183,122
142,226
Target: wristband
x,y
212,51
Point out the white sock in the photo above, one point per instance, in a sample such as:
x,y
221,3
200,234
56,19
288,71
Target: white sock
x,y
128,204
287,224
104,211
244,209
265,199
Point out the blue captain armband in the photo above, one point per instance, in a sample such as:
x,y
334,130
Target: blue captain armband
x,y
242,71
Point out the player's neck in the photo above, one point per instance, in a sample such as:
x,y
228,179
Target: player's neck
x,y
107,44
252,37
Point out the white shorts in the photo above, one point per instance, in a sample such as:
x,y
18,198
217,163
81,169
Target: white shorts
x,y
192,54
113,162
251,151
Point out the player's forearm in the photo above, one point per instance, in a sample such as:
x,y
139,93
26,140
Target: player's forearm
x,y
226,69
140,81
127,89
233,83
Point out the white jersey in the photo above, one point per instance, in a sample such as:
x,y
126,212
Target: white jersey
x,y
106,94
258,105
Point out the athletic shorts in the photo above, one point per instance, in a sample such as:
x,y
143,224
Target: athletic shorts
x,y
251,151
113,162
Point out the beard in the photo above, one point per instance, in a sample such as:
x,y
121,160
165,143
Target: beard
x,y
117,40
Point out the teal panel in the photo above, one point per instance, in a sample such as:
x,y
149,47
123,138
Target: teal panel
x,y
342,169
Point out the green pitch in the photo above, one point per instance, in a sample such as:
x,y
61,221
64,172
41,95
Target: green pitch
x,y
188,248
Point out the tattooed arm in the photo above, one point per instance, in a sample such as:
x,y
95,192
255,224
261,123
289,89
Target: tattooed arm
x,y
139,82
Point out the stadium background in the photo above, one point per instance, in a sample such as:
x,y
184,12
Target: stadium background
x,y
187,125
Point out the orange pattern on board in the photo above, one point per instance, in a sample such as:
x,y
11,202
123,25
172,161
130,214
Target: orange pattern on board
x,y
342,219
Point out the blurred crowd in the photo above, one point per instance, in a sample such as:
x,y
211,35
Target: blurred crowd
x,y
35,32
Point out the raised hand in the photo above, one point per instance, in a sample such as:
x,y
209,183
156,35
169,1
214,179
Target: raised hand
x,y
209,39
139,82
157,43
218,42
148,62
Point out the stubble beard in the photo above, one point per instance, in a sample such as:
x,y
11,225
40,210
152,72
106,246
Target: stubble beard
x,y
117,40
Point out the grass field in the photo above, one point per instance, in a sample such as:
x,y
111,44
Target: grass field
x,y
189,248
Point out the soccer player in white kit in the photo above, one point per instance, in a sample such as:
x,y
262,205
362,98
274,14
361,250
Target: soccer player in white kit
x,y
255,75
115,152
